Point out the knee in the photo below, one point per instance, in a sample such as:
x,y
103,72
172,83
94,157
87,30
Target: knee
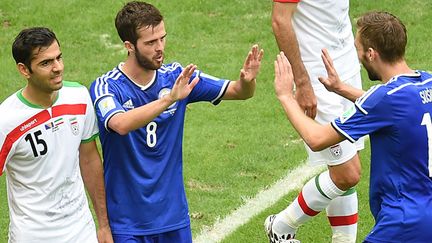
x,y
346,180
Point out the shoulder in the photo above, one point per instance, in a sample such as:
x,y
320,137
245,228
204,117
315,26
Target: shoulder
x,y
174,67
73,87
13,107
100,86
372,97
110,76
168,73
71,84
9,103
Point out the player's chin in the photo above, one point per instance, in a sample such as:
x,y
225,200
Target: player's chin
x,y
57,82
157,64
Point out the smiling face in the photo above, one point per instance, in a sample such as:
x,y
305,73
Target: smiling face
x,y
149,50
46,73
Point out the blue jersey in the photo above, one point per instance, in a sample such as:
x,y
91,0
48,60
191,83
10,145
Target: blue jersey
x,y
397,116
143,169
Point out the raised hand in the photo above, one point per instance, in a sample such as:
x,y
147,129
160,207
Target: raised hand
x,y
331,82
182,87
284,78
252,64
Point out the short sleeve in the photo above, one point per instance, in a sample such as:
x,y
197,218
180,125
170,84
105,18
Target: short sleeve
x,y
369,114
104,100
90,124
209,88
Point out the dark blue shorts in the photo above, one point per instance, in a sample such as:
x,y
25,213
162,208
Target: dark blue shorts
x,y
183,235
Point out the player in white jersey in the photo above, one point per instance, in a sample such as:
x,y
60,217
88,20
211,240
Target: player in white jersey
x,y
48,150
302,28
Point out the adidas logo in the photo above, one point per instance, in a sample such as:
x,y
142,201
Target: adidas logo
x,y
128,104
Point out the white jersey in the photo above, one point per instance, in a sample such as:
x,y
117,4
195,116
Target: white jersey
x,y
315,28
326,24
39,155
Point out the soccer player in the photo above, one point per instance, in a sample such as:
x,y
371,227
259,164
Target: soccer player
x,y
141,106
48,150
302,28
395,114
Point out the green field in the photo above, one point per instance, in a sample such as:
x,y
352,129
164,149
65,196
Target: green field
x,y
232,151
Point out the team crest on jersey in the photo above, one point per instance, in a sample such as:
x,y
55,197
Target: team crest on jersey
x,y
336,151
74,126
162,93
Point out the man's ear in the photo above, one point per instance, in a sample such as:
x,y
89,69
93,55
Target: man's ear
x,y
372,54
24,70
129,47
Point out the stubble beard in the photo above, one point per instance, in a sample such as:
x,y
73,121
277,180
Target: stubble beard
x,y
147,63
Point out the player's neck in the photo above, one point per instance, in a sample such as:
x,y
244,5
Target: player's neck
x,y
395,69
138,74
38,97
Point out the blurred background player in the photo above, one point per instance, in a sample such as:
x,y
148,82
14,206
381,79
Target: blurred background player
x,y
302,28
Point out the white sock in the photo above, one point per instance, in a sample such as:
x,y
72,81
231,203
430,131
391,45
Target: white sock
x,y
314,197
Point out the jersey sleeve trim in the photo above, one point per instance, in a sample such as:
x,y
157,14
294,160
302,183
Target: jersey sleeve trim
x,y
109,118
342,132
92,138
222,92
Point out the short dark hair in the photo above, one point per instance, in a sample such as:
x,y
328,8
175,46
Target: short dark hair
x,y
133,16
30,39
383,32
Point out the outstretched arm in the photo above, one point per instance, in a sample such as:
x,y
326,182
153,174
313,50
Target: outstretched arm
x,y
123,123
287,41
92,174
316,136
244,88
333,83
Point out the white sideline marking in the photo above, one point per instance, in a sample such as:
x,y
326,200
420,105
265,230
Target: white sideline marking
x,y
294,180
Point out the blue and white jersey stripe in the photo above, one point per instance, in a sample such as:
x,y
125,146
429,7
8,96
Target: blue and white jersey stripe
x,y
149,157
396,115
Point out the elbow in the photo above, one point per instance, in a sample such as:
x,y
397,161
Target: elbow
x,y
277,24
247,96
122,132
119,127
315,144
315,148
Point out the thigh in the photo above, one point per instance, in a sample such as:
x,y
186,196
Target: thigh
x,y
126,238
183,235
